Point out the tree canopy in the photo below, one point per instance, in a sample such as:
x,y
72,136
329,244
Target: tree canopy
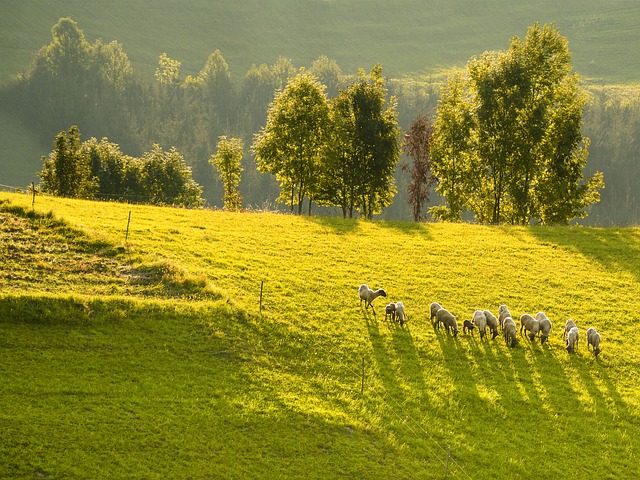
x,y
508,143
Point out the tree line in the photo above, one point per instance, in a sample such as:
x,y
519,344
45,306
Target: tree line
x,y
72,81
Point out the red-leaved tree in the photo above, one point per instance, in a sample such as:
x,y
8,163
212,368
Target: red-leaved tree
x,y
417,145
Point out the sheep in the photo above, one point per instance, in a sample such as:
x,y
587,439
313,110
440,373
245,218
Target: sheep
x,y
545,326
509,332
390,311
593,339
401,316
503,312
492,323
529,324
369,296
568,326
448,320
481,322
468,326
572,339
434,307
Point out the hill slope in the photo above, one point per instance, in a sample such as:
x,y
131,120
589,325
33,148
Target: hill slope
x,y
404,36
151,359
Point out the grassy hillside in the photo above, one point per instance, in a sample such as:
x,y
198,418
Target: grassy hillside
x,y
150,358
405,35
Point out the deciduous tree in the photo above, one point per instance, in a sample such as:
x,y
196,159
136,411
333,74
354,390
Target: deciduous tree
x,y
291,143
227,161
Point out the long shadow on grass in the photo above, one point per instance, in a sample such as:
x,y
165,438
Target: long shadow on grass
x,y
555,401
614,249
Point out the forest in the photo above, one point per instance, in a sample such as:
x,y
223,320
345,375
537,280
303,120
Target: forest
x,y
72,81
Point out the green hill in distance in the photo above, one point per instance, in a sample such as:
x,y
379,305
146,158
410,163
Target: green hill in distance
x,y
405,36
207,344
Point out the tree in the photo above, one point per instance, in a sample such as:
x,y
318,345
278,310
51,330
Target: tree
x,y
166,178
363,150
227,161
524,153
67,171
417,145
451,158
291,143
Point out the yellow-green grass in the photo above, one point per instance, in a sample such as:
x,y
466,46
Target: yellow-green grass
x,y
178,374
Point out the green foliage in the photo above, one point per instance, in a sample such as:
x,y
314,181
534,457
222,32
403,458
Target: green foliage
x,y
291,143
166,178
67,170
228,163
363,150
526,153
83,170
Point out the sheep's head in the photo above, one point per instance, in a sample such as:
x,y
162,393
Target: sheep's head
x,y
532,337
597,351
514,342
543,339
391,308
382,293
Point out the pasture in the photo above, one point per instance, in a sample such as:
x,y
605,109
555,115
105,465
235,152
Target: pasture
x,y
152,357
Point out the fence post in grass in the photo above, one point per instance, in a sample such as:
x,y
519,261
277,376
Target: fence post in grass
x,y
33,192
362,386
126,237
261,288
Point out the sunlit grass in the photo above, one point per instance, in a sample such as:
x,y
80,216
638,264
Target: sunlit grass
x,y
184,376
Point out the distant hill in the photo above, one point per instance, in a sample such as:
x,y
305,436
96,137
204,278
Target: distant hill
x,y
405,36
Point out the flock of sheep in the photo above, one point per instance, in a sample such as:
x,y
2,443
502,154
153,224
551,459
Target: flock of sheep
x,y
538,325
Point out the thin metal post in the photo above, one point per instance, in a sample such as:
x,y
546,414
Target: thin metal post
x,y
126,237
261,289
362,387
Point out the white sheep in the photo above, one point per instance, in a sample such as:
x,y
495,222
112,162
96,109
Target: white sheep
x,y
545,326
448,320
509,332
568,326
503,312
400,313
492,323
434,307
529,324
593,339
481,322
369,296
572,339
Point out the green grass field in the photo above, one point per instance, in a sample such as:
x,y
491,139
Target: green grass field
x,y
405,36
150,358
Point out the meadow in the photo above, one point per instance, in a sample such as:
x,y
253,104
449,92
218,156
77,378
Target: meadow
x,y
405,36
157,357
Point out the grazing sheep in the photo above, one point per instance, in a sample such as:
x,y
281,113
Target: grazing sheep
x,y
568,326
492,323
503,312
390,311
509,332
545,326
448,320
593,339
434,307
481,322
369,296
400,315
529,324
572,339
468,326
